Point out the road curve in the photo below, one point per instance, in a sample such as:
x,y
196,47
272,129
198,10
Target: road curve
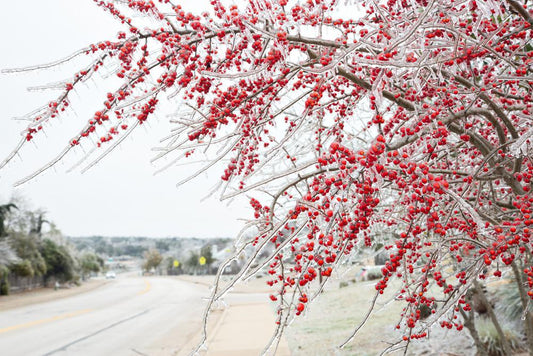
x,y
129,316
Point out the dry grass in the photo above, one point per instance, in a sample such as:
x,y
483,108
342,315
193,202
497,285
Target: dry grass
x,y
331,318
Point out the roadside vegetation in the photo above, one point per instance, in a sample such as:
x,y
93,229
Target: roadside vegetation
x,y
194,261
34,253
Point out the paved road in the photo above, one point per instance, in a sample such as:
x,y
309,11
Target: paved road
x,y
129,316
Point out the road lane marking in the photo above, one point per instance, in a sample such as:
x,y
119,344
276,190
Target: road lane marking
x,y
47,320
146,289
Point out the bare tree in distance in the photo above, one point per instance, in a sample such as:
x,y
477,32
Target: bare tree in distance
x,y
341,119
152,260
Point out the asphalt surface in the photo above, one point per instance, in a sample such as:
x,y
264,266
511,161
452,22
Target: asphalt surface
x,y
129,316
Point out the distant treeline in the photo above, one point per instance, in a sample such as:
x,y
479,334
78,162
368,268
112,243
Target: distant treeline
x,y
138,246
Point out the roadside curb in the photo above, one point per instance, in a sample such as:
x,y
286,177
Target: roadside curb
x,y
219,322
237,286
186,350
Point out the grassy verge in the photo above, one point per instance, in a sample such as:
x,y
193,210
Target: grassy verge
x,y
336,313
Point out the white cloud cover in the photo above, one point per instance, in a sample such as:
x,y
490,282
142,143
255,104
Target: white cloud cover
x,y
120,196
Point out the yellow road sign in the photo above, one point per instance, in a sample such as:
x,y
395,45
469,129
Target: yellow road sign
x,y
202,261
176,263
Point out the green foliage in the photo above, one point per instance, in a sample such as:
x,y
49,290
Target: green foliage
x,y
162,245
100,261
169,266
89,262
193,260
4,282
24,251
169,262
491,339
208,254
425,310
105,248
152,259
59,263
509,303
22,268
27,248
4,286
131,250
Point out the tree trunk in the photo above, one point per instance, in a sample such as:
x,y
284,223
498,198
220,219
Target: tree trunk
x,y
493,318
471,326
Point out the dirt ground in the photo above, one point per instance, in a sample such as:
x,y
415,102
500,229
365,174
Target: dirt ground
x,y
41,295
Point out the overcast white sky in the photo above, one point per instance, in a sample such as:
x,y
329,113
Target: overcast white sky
x,y
120,196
